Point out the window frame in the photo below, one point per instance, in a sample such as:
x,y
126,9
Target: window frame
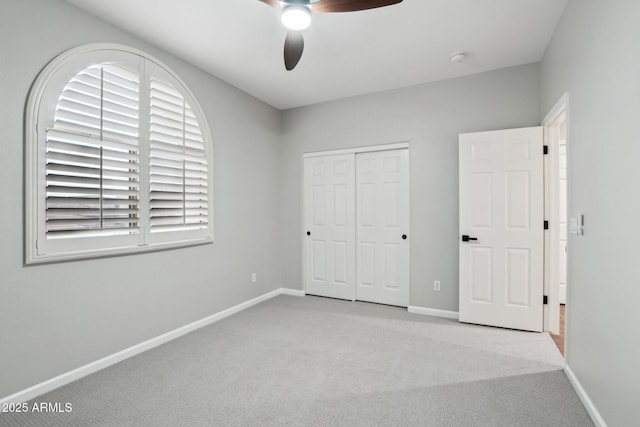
x,y
41,104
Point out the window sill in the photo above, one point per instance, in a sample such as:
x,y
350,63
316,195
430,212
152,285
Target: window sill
x,y
32,259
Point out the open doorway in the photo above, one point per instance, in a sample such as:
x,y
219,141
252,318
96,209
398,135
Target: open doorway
x,y
556,197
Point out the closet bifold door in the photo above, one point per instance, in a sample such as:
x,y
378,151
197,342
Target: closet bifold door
x,y
329,218
382,227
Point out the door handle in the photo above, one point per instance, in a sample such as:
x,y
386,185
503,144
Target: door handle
x,y
466,238
404,237
308,233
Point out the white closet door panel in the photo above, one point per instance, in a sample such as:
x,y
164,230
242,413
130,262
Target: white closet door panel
x,y
382,212
329,206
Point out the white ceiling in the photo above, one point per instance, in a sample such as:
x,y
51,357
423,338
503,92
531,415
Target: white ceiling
x,y
346,54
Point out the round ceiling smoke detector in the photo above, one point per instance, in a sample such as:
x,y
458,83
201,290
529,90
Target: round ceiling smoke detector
x,y
458,57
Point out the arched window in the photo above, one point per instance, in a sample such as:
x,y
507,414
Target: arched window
x,y
118,159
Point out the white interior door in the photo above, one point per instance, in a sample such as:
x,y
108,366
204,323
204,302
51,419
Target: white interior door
x,y
501,227
329,210
383,227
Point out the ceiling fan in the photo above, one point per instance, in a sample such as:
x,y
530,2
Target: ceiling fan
x,y
296,16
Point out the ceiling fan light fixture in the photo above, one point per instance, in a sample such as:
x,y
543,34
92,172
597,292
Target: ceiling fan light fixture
x,y
296,17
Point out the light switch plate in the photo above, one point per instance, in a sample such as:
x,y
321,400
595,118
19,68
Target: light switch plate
x,y
576,225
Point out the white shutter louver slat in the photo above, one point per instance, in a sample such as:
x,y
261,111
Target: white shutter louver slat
x,y
73,160
84,86
122,94
82,122
173,122
73,181
83,139
112,123
195,139
165,107
74,214
167,179
165,149
77,148
97,193
159,195
159,171
89,78
118,100
195,155
63,213
162,187
85,182
89,162
122,110
195,182
89,97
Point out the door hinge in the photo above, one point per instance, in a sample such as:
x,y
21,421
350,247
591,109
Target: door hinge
x,y
546,225
545,300
545,149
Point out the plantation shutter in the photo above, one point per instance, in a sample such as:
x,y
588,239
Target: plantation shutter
x,y
119,158
92,155
178,177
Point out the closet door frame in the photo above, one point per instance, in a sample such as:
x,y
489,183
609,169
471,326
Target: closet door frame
x,y
355,151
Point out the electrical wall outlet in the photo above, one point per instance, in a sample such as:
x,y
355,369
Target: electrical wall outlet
x,y
254,277
436,285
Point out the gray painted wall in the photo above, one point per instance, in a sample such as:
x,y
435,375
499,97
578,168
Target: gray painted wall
x,y
430,117
57,317
595,56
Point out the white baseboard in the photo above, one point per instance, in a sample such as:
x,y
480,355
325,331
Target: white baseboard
x,y
433,312
584,398
293,292
83,371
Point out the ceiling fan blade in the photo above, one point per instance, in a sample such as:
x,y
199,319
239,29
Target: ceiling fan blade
x,y
293,47
274,3
329,6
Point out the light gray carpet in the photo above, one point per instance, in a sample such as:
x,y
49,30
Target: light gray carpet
x,y
322,362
